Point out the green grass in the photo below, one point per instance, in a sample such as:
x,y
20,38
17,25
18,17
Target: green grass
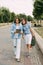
x,y
40,31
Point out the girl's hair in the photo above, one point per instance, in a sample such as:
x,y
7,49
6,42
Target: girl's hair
x,y
15,20
24,20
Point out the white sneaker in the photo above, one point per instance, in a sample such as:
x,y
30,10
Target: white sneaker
x,y
18,60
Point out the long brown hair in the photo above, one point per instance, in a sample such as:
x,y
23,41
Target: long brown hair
x,y
24,20
15,19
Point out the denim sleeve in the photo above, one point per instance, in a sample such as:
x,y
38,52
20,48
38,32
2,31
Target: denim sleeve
x,y
29,24
12,28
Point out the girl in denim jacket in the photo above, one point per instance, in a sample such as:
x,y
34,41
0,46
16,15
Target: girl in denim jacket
x,y
16,35
28,33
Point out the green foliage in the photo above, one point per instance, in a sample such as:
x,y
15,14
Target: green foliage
x,y
12,16
20,16
29,18
7,16
38,9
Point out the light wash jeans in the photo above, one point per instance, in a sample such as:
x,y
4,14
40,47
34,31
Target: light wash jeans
x,y
17,47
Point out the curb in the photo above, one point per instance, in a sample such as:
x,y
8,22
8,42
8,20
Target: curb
x,y
39,40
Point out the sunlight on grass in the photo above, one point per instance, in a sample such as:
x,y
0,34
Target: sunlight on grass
x,y
40,31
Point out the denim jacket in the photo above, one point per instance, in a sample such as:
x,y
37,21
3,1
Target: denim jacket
x,y
13,29
26,28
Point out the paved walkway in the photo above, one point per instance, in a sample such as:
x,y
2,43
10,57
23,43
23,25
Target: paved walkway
x,y
7,55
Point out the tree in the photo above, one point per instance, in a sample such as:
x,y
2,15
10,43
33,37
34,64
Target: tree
x,y
6,14
29,18
38,9
1,16
12,16
20,16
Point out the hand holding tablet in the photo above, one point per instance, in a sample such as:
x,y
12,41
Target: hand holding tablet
x,y
18,30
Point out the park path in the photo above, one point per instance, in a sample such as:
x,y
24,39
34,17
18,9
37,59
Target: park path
x,y
6,51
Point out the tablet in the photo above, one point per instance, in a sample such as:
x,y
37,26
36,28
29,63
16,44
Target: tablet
x,y
18,30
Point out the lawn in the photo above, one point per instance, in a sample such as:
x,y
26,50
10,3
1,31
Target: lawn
x,y
40,31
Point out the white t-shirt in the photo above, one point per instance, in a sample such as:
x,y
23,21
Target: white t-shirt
x,y
17,27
